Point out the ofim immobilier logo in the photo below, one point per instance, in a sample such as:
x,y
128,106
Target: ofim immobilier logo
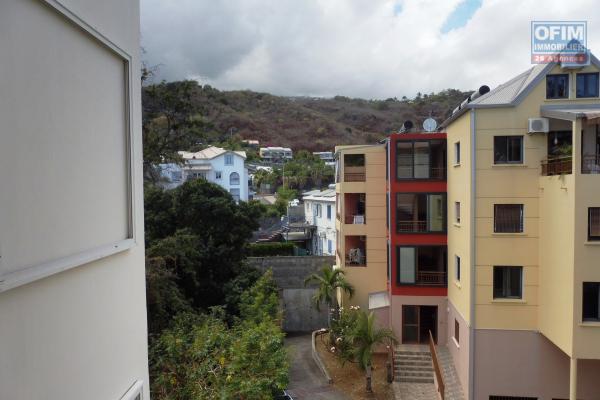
x,y
559,41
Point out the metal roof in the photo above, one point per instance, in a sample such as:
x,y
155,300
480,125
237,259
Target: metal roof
x,y
208,154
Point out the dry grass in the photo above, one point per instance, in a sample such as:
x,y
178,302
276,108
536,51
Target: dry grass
x,y
350,380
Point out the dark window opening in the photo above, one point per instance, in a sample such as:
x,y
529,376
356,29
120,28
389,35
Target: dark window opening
x,y
594,223
508,282
591,301
420,212
508,149
508,218
557,86
456,331
587,85
421,265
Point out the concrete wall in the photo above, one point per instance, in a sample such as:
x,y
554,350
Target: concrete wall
x,y
289,274
78,331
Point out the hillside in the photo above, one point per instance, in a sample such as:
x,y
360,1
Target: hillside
x,y
300,122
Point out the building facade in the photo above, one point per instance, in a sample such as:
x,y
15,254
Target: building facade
x,y
361,225
275,154
72,279
224,167
524,195
319,211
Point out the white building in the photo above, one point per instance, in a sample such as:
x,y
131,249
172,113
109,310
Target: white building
x,y
72,282
226,168
275,154
326,156
319,210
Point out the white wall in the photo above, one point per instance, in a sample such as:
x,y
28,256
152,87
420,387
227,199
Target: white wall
x,y
325,226
79,333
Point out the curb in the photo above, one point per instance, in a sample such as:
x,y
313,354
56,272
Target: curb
x,y
316,357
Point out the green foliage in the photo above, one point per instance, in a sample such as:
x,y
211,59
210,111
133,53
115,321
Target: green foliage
x,y
328,281
271,249
343,322
199,357
365,336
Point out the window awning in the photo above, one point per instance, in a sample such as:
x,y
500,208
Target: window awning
x,y
571,114
378,300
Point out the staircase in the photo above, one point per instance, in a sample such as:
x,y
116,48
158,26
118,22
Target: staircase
x,y
413,366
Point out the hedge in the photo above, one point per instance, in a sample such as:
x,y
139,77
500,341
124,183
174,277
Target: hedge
x,y
271,249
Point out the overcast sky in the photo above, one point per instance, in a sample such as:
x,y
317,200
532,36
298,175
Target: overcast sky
x,y
357,48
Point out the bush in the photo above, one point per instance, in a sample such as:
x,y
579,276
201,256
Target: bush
x,y
343,322
271,249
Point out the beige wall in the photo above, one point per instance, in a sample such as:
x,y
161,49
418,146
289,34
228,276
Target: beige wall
x,y
80,333
373,277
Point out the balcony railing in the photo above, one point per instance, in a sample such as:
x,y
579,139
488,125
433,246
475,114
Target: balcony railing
x,y
354,177
356,261
557,165
355,219
432,278
411,226
590,164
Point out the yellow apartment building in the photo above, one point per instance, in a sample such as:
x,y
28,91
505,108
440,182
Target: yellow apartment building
x,y
361,225
524,228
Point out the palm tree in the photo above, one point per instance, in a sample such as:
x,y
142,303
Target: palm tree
x,y
329,280
365,337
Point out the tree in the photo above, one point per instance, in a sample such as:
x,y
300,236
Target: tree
x,y
329,280
364,337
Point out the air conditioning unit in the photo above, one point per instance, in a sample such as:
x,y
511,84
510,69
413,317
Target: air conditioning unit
x,y
538,125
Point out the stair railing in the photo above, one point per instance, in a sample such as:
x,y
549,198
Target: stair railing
x,y
436,366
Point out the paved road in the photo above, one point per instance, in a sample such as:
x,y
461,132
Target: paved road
x,y
306,379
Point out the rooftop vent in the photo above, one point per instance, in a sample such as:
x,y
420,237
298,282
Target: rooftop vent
x,y
482,90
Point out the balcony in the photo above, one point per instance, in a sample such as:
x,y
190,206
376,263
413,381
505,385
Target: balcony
x,y
354,208
354,168
422,265
557,165
422,159
590,164
356,251
420,212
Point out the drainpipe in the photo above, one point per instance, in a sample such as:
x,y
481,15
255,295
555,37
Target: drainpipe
x,y
472,283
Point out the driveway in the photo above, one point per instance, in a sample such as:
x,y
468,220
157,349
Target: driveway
x,y
306,379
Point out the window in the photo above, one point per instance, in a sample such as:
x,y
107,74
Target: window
x,y
591,301
594,223
508,218
234,178
420,212
457,153
218,175
587,85
456,331
176,176
421,159
508,149
228,159
557,86
235,193
421,265
328,211
457,212
457,267
508,282
329,246
318,210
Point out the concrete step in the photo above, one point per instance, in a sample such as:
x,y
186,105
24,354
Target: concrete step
x,y
413,380
418,374
408,364
413,353
398,359
413,368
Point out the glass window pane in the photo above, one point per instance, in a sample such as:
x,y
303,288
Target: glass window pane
x,y
594,223
587,85
508,218
405,211
591,301
500,149
557,86
410,314
436,211
407,265
422,160
404,159
498,282
515,148
515,282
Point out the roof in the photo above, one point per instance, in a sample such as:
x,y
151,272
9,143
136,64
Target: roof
x,y
320,195
588,111
209,153
510,93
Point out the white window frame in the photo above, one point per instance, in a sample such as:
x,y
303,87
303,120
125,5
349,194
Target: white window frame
x,y
229,159
218,175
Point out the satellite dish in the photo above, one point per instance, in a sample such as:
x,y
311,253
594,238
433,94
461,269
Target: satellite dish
x,y
429,125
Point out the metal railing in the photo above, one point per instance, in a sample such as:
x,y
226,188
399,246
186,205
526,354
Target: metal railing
x,y
411,226
433,278
356,261
436,367
590,164
557,165
354,177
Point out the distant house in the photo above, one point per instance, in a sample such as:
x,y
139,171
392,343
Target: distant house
x,y
226,168
319,210
251,143
326,156
275,154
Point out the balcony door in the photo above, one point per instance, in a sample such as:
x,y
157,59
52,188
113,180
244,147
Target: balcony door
x,y
417,321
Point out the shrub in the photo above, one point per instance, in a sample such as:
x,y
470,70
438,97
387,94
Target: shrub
x,y
343,322
271,249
